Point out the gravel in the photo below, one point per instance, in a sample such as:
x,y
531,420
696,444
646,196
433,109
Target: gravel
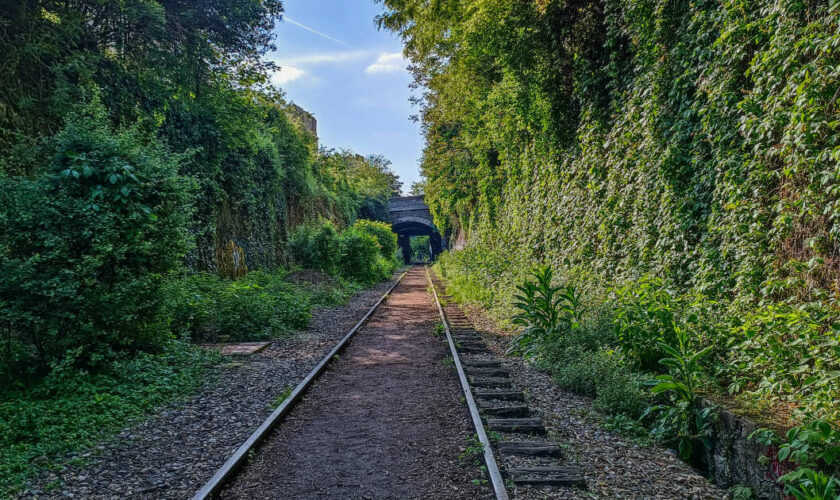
x,y
614,467
172,453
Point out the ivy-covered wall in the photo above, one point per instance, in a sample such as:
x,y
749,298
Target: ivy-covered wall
x,y
698,141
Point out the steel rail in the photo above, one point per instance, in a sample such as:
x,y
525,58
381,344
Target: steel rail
x,y
215,484
489,458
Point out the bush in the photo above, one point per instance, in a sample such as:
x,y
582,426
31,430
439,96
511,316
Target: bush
x,y
361,258
385,237
86,246
365,252
602,375
71,409
258,306
316,246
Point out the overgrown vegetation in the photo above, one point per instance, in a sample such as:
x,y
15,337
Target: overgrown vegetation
x,y
150,178
645,356
365,252
674,162
420,250
684,152
70,410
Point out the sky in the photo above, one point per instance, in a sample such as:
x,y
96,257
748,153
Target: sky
x,y
337,65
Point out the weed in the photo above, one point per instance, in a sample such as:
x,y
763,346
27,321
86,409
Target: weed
x,y
283,396
473,452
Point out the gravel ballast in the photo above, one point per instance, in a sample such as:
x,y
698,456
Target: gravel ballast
x,y
172,453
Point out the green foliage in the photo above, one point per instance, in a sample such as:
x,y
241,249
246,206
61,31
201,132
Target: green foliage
x,y
71,409
682,420
362,259
385,238
644,321
420,249
813,446
546,312
315,246
86,246
258,306
779,351
691,142
365,252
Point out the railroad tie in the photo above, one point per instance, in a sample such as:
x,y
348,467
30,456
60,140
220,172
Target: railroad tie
x,y
505,411
474,365
490,383
531,448
487,372
471,343
479,350
500,394
532,425
568,475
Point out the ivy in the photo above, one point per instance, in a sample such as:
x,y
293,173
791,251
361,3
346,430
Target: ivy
x,y
694,142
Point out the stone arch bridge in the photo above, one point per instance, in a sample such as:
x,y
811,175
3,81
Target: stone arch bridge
x,y
409,216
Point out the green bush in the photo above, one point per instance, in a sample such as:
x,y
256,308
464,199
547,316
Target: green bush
x,y
87,244
258,306
361,258
365,252
385,237
602,375
316,246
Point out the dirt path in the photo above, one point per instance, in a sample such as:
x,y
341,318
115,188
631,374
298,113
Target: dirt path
x,y
386,421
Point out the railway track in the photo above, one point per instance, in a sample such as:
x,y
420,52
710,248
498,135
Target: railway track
x,y
527,457
213,486
493,403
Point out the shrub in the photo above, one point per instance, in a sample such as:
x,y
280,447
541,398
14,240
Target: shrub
x,y
258,306
602,375
316,246
70,409
385,237
86,245
781,352
361,259
364,252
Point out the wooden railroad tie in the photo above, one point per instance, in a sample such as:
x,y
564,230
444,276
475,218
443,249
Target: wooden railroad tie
x,y
552,476
489,383
473,349
520,425
487,372
531,448
506,411
500,394
473,365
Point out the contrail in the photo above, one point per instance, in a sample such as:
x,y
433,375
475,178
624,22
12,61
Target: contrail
x,y
307,28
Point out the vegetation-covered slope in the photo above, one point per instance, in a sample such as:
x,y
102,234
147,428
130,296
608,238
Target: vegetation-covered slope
x,y
696,142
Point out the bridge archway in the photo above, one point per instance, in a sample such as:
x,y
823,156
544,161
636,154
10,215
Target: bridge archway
x,y
410,217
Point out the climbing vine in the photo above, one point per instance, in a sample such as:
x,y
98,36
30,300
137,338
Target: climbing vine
x,y
697,143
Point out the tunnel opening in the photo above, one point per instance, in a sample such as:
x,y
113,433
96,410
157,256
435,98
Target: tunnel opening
x,y
411,219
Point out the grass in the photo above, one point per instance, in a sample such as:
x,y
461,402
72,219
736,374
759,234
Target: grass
x,y
287,391
56,421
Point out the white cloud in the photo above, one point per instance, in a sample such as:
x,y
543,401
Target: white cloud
x,y
324,58
286,74
387,63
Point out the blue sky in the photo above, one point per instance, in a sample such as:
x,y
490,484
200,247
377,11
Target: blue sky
x,y
352,77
